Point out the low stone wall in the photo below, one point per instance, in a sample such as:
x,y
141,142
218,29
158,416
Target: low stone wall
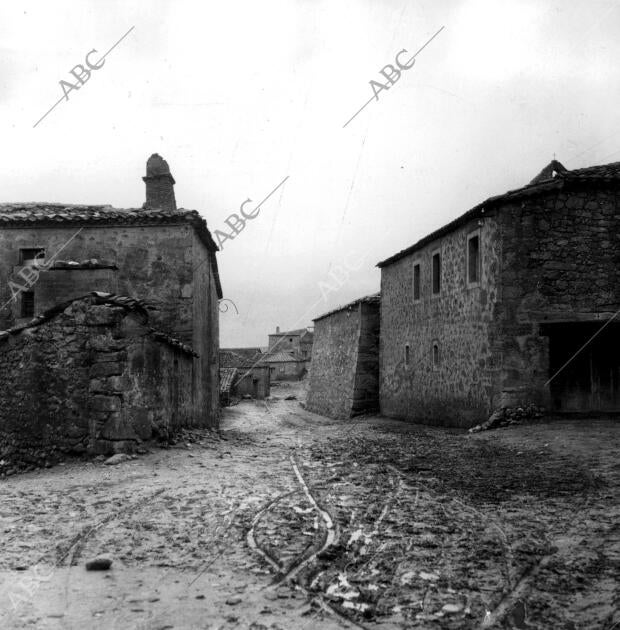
x,y
92,377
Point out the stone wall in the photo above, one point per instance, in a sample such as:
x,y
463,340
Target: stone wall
x,y
56,285
366,388
154,263
286,370
166,265
560,263
284,343
344,370
90,378
205,337
548,259
463,387
252,380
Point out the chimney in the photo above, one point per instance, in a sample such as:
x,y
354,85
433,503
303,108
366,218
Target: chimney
x,y
159,184
277,329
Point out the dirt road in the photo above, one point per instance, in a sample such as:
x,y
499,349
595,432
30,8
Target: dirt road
x,y
295,521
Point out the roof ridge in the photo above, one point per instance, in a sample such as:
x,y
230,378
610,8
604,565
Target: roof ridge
x,y
366,298
43,213
603,172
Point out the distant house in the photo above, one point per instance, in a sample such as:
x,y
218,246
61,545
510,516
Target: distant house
x,y
241,374
284,366
344,377
297,342
515,301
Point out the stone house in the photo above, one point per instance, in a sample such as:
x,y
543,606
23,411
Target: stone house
x,y
249,378
159,254
284,366
500,306
344,377
298,342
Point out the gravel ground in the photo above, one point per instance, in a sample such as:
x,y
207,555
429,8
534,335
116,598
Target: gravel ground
x,y
292,521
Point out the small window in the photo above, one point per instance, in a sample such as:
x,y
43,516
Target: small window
x,y
436,355
407,355
27,303
290,339
473,259
282,369
416,281
436,273
31,257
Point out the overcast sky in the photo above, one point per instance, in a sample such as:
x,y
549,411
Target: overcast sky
x,y
236,96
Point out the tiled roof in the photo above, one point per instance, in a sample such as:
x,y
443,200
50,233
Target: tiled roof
x,y
375,298
227,377
278,357
139,307
230,359
248,353
46,214
542,183
604,171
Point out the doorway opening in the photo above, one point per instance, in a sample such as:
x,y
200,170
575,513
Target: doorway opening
x,y
591,380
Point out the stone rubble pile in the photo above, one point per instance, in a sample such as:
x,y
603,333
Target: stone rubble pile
x,y
508,416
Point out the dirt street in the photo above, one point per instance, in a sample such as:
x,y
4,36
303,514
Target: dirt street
x,y
292,521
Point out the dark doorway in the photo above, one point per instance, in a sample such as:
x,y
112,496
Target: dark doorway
x,y
591,380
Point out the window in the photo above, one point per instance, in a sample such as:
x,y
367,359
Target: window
x,y
27,303
31,257
407,355
290,339
281,369
473,259
436,273
416,281
304,353
436,355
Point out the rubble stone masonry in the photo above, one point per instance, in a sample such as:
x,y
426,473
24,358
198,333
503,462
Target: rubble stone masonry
x,y
166,265
345,365
560,263
92,378
549,257
461,386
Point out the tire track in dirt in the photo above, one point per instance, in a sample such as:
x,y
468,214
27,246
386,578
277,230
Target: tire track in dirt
x,y
329,538
251,538
286,575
